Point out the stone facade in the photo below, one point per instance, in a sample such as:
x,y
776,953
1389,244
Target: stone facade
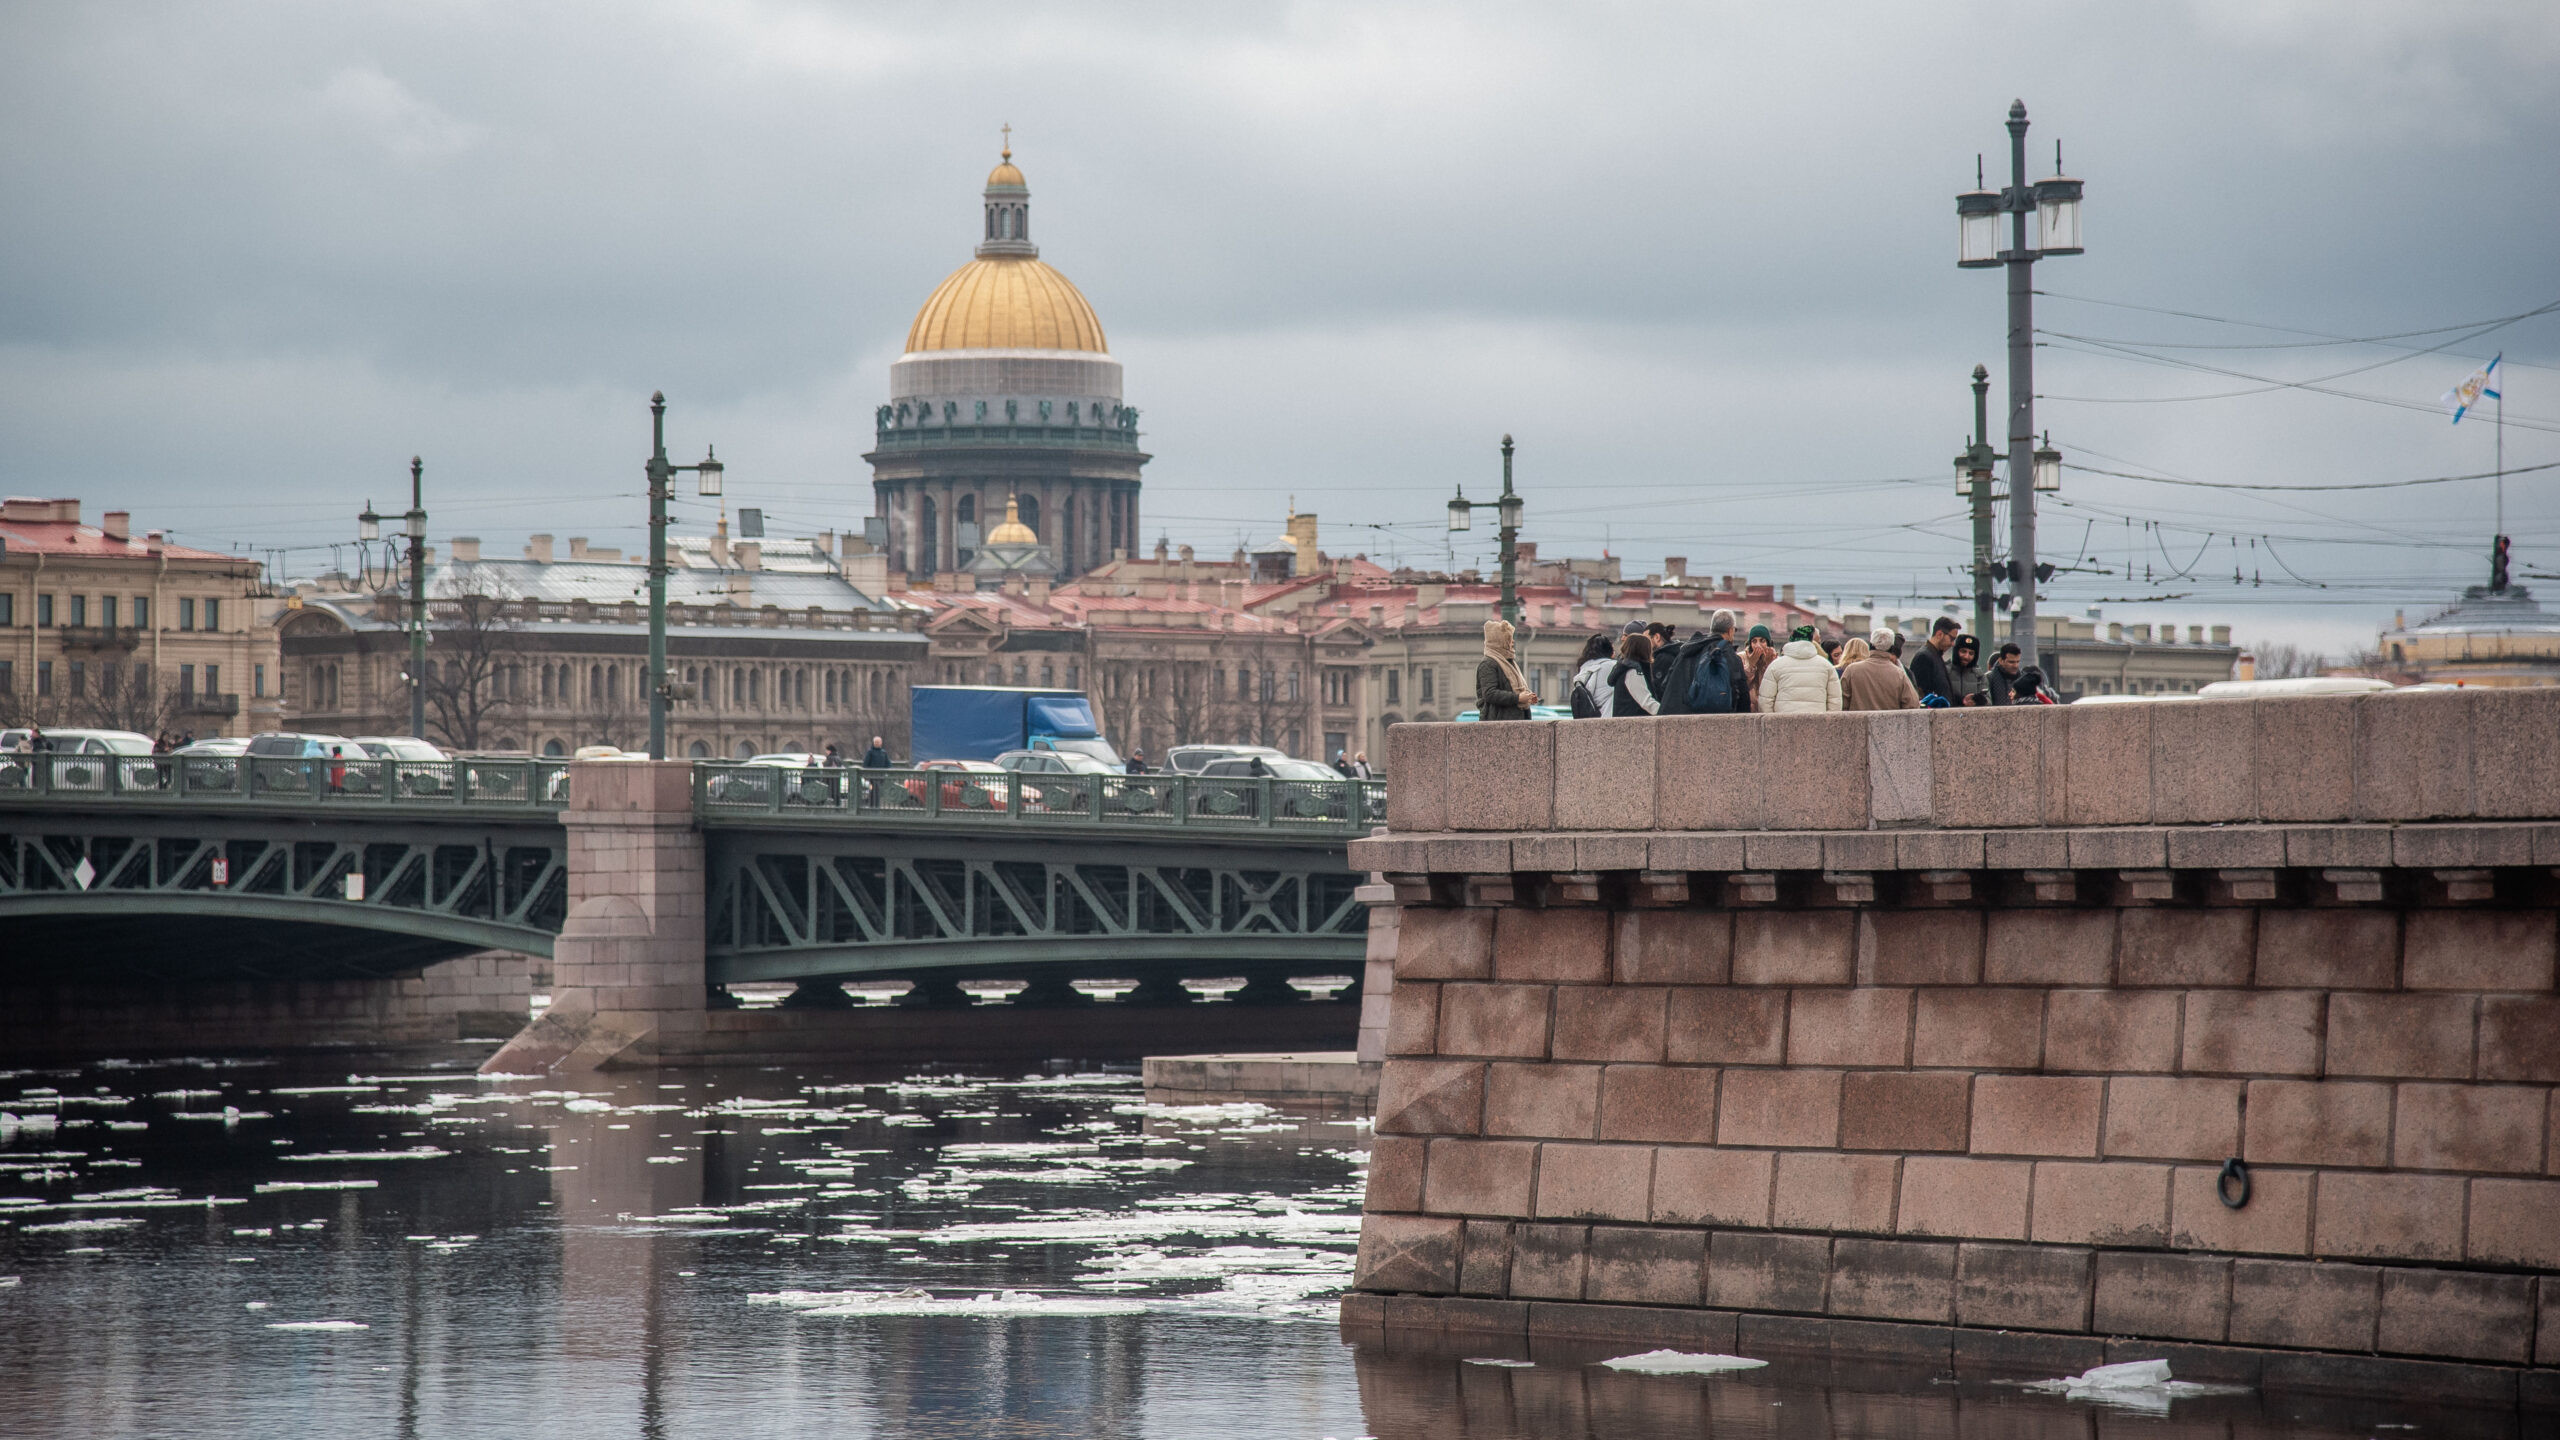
x,y
1955,1030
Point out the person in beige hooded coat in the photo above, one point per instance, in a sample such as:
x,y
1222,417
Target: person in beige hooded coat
x,y
1799,681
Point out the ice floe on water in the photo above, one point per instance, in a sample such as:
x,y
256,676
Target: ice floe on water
x,y
1499,1363
990,1305
2143,1385
1680,1362
270,1187
414,1152
72,1227
318,1325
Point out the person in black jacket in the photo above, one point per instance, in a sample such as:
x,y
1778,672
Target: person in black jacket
x,y
1928,664
1690,654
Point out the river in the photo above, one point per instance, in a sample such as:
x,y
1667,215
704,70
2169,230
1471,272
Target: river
x,y
389,1245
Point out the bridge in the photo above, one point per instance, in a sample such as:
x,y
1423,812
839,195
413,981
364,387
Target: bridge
x,y
164,869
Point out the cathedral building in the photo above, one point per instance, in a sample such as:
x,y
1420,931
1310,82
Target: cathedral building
x,y
1005,409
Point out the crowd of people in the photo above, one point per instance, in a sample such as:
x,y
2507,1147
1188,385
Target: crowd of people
x,y
1648,669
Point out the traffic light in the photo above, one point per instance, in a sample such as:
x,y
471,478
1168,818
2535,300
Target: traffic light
x,y
2044,571
2498,564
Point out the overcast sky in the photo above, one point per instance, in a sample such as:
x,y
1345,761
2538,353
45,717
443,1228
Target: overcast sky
x,y
1697,258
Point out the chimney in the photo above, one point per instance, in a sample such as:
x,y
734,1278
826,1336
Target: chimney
x,y
537,548
466,549
1787,594
153,540
2115,633
1676,566
577,547
118,524
1039,590
1527,551
2221,634
750,554
2195,634
741,589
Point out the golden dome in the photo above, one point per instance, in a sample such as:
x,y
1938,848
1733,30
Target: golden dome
x,y
1006,302
1005,174
1012,531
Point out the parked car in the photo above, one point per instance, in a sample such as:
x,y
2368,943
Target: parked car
x,y
212,763
76,772
1192,759
322,760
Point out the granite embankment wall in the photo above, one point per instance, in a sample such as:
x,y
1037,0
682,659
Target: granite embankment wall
x,y
480,996
1932,1034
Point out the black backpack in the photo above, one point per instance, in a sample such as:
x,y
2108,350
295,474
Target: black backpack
x,y
1584,707
1711,684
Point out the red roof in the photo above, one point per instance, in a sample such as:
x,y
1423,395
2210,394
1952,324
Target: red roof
x,y
56,537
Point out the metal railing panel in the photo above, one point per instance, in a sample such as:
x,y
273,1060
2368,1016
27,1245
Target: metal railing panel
x,y
968,799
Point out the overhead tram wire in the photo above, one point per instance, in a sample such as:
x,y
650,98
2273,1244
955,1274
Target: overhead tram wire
x,y
2324,339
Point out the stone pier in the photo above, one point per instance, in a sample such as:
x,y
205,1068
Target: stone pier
x,y
2022,1039
627,971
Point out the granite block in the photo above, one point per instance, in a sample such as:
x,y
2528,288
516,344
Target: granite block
x,y
1899,780
1500,777
2303,761
1418,760
2515,738
2109,772
1708,773
2203,762
1719,1186
1672,947
1814,771
1985,767
1605,774
2413,755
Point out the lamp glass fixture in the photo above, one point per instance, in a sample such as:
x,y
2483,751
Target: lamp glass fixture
x,y
1462,515
708,473
2058,216
417,524
1510,512
1978,228
368,524
2048,468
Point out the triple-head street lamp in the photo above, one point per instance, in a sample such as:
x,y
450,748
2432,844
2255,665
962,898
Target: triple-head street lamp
x,y
1507,514
2055,204
661,479
368,531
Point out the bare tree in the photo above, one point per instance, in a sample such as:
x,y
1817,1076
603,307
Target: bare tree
x,y
125,698
605,708
1181,701
2286,661
475,681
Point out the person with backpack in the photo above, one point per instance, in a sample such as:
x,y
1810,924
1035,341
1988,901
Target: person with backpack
x,y
1630,693
1502,693
1590,688
1706,675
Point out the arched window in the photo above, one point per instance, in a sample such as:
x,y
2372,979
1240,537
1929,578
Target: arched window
x,y
875,689
831,689
746,749
967,510
928,540
698,751
1030,511
595,682
755,687
553,749
613,682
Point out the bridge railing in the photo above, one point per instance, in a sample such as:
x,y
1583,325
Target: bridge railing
x,y
970,798
461,784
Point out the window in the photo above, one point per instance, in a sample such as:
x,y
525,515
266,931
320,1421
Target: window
x,y
186,682
79,679
186,614
258,681
213,680
142,612
44,610
44,677
1394,689
8,678
213,614
107,611
1426,684
107,679
1071,676
1293,685
79,610
142,677
8,608
553,749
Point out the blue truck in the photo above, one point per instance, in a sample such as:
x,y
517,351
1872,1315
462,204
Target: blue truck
x,y
980,722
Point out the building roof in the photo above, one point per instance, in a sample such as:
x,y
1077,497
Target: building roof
x,y
66,536
1006,302
2482,610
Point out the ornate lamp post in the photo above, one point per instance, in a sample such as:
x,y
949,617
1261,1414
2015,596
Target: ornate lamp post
x,y
661,478
1507,514
369,530
1973,482
2055,204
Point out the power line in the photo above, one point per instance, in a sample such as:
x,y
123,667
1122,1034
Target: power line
x,y
2364,485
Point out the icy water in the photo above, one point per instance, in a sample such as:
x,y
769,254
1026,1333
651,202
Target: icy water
x,y
398,1248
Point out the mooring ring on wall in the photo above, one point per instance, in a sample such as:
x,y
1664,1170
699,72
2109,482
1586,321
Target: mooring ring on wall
x,y
2233,1170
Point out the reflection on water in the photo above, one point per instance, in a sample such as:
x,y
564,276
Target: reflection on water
x,y
230,1249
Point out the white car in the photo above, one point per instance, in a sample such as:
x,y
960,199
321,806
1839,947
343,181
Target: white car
x,y
420,765
68,771
1192,759
803,782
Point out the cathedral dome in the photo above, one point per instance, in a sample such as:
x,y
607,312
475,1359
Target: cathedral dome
x,y
1006,302
1013,531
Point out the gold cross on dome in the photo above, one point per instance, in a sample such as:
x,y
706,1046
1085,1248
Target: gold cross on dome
x,y
1008,140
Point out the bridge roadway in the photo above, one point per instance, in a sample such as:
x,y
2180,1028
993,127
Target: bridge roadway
x,y
158,869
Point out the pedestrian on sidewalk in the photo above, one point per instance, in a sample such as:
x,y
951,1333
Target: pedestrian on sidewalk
x,y
1928,664
1964,666
1757,656
1630,693
1873,681
1799,681
1590,687
2001,685
1502,692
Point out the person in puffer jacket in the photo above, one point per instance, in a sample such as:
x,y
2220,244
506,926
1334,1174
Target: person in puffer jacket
x,y
1799,680
1591,673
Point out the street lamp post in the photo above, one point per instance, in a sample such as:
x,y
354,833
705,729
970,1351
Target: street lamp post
x,y
661,479
1973,481
1507,515
2055,204
369,529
